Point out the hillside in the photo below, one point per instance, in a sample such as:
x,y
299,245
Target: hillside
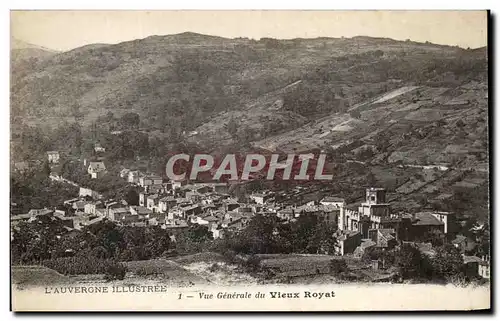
x,y
187,76
375,103
22,52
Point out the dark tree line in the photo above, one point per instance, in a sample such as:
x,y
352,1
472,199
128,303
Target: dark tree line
x,y
269,234
98,247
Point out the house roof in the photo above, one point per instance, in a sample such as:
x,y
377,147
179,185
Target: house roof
x,y
423,247
317,208
348,234
258,195
471,259
97,166
231,201
80,204
367,244
141,210
425,218
233,221
219,184
286,211
459,239
95,220
42,211
21,165
177,224
376,189
333,199
191,207
387,234
120,210
20,217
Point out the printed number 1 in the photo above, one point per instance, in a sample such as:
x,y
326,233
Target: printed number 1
x,y
180,296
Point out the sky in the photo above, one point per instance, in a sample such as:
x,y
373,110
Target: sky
x,y
65,30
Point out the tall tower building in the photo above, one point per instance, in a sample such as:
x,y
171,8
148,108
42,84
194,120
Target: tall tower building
x,y
375,207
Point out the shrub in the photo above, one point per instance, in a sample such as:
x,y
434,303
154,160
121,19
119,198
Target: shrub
x,y
338,266
447,263
115,271
78,265
214,267
355,114
147,270
252,264
229,256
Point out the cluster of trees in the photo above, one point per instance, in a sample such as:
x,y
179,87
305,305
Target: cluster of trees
x,y
445,266
269,234
109,185
241,134
470,201
309,99
99,247
32,142
317,92
87,265
128,121
34,189
47,241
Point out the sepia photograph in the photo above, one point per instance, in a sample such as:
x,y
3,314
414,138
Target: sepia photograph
x,y
252,160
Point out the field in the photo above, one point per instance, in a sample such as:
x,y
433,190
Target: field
x,y
30,275
158,271
167,271
183,271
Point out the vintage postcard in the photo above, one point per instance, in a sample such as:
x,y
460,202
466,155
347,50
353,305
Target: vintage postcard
x,y
249,161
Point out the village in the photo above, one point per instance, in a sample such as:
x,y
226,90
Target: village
x,y
175,205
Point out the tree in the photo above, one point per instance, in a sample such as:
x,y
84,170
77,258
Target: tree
x,y
322,240
460,123
355,114
199,233
75,111
130,120
447,263
365,153
109,116
258,237
115,271
131,196
46,168
411,263
484,240
231,127
246,135
371,180
435,237
379,254
37,241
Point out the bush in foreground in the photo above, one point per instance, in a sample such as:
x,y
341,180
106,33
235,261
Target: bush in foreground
x,y
86,265
115,271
